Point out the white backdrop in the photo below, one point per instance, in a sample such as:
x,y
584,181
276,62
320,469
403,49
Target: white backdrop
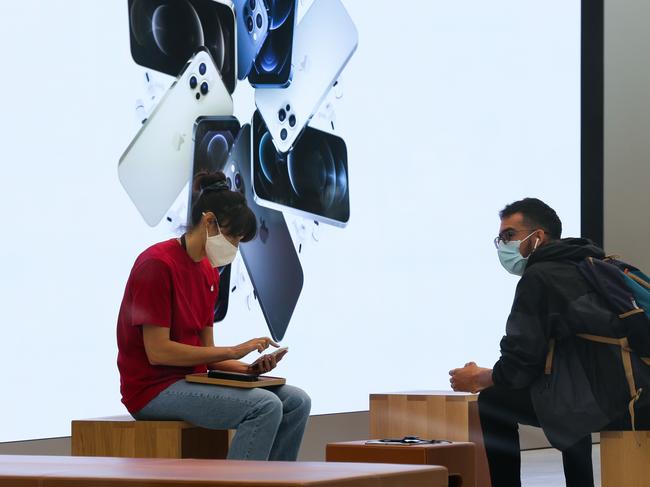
x,y
450,110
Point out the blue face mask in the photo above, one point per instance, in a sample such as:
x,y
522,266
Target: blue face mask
x,y
510,257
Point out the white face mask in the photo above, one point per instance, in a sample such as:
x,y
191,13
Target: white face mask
x,y
219,250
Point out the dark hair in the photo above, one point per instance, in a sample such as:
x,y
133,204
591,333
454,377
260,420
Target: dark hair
x,y
536,213
229,207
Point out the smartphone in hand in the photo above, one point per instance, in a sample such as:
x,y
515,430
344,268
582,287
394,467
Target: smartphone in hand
x,y
278,354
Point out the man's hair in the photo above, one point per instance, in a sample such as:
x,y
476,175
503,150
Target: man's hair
x,y
536,213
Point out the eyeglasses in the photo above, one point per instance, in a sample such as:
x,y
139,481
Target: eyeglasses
x,y
506,236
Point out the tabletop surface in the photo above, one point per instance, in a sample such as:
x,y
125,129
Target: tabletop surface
x,y
262,473
468,396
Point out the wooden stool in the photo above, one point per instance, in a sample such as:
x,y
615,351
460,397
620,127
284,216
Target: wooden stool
x,y
457,457
122,436
441,415
623,461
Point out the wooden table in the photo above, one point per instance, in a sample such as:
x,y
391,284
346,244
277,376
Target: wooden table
x,y
458,457
42,471
442,415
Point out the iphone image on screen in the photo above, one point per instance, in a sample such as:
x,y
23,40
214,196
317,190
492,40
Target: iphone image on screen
x,y
157,164
271,67
252,29
213,141
310,180
164,34
324,42
270,258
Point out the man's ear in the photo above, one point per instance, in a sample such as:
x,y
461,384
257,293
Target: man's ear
x,y
540,238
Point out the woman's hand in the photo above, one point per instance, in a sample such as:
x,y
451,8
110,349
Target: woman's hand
x,y
259,344
266,363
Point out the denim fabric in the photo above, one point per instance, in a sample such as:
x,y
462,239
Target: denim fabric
x,y
270,422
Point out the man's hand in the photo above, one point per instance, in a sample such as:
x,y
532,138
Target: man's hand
x,y
266,363
470,378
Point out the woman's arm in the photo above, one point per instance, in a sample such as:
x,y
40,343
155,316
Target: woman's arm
x,y
229,365
161,350
262,365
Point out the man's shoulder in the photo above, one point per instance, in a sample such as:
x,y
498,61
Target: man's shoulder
x,y
550,267
561,279
551,272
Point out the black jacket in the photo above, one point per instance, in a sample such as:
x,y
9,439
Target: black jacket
x,y
586,389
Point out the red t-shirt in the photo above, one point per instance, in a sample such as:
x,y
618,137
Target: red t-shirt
x,y
166,288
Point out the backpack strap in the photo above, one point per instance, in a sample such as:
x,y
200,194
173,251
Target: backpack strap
x,y
635,393
636,278
549,356
631,312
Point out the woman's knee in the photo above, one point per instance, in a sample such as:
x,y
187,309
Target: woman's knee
x,y
295,399
268,404
305,401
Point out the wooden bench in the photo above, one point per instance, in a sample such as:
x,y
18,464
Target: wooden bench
x,y
122,436
33,471
623,462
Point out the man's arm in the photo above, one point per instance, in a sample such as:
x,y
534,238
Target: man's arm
x,y
528,329
523,348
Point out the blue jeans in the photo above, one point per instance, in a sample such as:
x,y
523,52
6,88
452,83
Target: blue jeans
x,y
270,422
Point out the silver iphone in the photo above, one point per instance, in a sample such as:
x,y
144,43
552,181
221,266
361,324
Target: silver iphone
x,y
324,41
158,163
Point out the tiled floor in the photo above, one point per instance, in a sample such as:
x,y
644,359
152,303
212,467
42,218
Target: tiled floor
x,y
543,468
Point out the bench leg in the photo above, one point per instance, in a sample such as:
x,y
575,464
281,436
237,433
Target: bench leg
x,y
622,461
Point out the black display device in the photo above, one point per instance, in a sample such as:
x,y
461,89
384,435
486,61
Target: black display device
x,y
213,140
221,374
407,440
310,180
272,65
270,258
164,34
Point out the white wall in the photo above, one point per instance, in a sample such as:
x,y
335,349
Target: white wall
x,y
627,130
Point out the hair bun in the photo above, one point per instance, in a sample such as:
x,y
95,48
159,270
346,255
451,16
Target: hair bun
x,y
204,179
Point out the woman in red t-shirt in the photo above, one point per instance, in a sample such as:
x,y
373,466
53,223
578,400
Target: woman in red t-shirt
x,y
164,332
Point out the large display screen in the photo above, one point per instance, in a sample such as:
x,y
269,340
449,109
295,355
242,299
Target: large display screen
x,y
401,132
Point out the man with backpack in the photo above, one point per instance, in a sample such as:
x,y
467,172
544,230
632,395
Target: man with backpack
x,y
574,359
